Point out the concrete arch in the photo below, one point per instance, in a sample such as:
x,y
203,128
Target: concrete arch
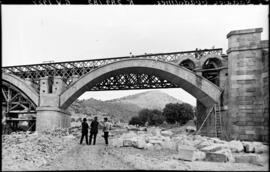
x,y
19,83
199,87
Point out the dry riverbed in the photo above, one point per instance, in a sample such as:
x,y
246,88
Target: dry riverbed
x,y
62,151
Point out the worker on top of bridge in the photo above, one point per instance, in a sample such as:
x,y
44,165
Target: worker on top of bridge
x,y
94,130
85,127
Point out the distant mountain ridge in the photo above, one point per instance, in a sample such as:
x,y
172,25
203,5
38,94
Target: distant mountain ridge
x,y
148,99
122,108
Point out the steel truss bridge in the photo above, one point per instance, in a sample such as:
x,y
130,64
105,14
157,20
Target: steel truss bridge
x,y
14,101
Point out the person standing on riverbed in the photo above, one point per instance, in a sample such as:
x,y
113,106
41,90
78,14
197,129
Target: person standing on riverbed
x,y
85,127
106,128
93,130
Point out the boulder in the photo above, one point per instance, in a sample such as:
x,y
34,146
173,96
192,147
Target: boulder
x,y
191,129
169,145
149,146
249,147
203,144
185,153
140,143
227,152
157,147
167,133
127,143
261,148
213,148
235,146
154,131
199,155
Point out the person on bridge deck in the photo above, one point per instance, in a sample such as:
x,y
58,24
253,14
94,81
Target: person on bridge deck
x,y
93,131
106,128
85,127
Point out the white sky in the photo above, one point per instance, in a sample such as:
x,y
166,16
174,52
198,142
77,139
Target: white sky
x,y
37,33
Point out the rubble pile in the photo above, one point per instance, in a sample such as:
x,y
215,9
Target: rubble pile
x,y
24,151
192,147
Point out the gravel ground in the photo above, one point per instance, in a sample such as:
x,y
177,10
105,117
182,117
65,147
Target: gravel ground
x,y
88,157
74,156
97,157
162,160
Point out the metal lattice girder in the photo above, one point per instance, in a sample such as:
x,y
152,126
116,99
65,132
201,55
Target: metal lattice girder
x,y
132,81
15,101
71,68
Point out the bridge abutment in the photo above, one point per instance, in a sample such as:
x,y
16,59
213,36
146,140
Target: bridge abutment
x,y
246,100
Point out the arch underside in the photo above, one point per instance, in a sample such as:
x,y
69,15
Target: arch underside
x,y
142,74
20,86
14,101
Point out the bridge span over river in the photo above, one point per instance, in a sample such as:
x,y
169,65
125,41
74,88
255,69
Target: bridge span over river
x,y
231,89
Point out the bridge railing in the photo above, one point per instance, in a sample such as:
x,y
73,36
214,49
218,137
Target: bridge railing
x,y
68,69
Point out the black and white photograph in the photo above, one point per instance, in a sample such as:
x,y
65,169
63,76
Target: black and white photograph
x,y
135,87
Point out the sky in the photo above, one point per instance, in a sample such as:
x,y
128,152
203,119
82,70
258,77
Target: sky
x,y
37,33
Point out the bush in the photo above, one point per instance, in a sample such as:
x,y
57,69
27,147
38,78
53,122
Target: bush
x,y
156,117
153,117
136,121
178,113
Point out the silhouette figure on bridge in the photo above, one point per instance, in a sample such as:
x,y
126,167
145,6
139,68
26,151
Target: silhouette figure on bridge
x,y
85,127
93,131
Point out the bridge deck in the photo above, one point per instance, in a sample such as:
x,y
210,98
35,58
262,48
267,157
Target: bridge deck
x,y
69,69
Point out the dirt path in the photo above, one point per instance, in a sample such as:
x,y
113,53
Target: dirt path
x,y
88,157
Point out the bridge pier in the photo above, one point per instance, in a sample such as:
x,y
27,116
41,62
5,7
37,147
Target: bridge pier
x,y
49,115
51,118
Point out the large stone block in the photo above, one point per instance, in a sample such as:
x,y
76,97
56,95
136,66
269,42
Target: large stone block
x,y
215,157
185,153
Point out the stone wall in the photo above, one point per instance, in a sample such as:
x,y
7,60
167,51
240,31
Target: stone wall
x,y
247,94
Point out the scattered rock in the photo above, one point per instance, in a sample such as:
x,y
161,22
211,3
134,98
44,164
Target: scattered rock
x,y
166,133
261,148
251,159
213,148
227,152
235,146
127,143
199,155
248,147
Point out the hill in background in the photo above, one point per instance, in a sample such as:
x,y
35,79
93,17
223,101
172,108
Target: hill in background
x,y
148,99
121,109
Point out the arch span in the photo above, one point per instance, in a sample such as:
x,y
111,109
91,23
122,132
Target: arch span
x,y
22,86
205,91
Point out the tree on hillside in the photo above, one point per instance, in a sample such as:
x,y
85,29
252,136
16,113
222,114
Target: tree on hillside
x,y
136,120
153,117
156,117
144,115
178,112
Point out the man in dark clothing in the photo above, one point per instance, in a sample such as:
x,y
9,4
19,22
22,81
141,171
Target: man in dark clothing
x,y
85,127
93,131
